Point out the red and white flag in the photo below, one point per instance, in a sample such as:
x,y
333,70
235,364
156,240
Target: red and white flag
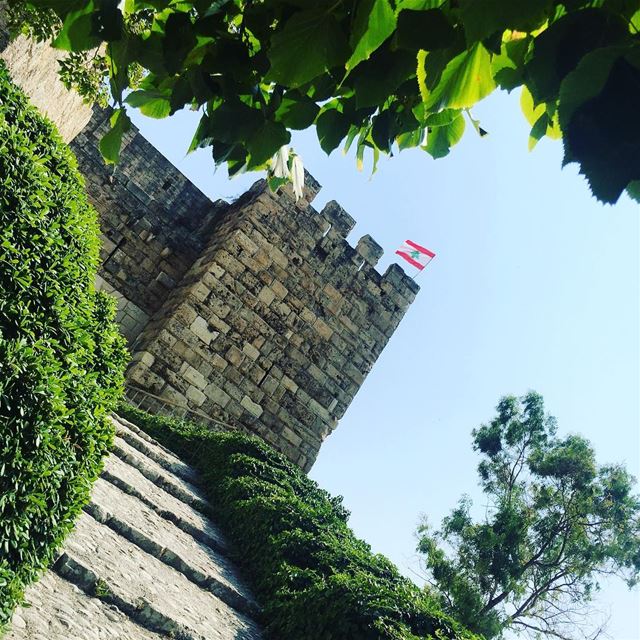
x,y
416,255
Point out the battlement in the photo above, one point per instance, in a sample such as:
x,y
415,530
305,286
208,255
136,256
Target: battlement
x,y
257,312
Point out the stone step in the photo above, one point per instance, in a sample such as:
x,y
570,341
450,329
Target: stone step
x,y
144,443
58,610
151,593
163,540
177,487
131,481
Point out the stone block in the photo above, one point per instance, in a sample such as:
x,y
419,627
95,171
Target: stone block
x,y
217,395
145,357
193,376
218,362
291,437
196,396
250,351
252,407
279,289
340,220
200,328
369,249
323,328
234,356
266,295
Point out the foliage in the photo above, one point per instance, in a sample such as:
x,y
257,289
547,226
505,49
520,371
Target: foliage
x,y
61,357
313,577
556,521
384,74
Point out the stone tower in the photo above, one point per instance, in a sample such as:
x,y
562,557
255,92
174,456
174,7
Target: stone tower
x,y
256,313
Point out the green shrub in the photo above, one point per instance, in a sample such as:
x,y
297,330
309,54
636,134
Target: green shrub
x,y
61,356
313,577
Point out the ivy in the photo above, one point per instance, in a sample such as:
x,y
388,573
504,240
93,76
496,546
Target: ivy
x,y
357,67
61,356
313,578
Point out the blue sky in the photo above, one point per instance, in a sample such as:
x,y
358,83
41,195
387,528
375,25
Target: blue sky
x,y
535,286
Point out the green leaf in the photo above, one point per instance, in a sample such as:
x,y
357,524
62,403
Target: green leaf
x,y
466,80
154,104
310,43
382,132
234,122
421,74
531,112
587,81
351,136
598,112
180,39
297,111
558,49
633,190
276,183
538,130
119,55
360,149
442,118
264,143
112,140
201,137
375,21
418,5
508,66
78,30
378,78
484,18
427,30
410,139
441,139
331,126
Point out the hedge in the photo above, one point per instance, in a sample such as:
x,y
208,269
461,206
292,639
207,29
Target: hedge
x,y
314,579
61,356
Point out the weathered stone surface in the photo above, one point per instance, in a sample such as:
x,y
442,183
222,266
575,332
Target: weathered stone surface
x,y
154,221
185,517
152,449
145,528
157,595
277,321
177,487
34,67
61,611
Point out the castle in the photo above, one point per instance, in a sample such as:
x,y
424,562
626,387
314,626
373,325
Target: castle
x,y
256,313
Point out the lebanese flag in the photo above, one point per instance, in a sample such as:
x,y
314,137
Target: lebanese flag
x,y
416,255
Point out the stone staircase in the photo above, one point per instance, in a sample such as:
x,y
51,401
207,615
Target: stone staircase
x,y
144,561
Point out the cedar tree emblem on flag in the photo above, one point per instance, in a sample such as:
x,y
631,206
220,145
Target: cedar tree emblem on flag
x,y
416,255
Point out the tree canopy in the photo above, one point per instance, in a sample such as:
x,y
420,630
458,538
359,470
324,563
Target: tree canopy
x,y
555,522
378,74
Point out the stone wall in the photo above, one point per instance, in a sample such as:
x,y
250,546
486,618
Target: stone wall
x,y
154,221
34,67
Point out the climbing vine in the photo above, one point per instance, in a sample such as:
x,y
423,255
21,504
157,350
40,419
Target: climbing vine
x,y
378,75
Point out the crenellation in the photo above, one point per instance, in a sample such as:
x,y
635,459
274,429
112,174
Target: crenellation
x,y
341,222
